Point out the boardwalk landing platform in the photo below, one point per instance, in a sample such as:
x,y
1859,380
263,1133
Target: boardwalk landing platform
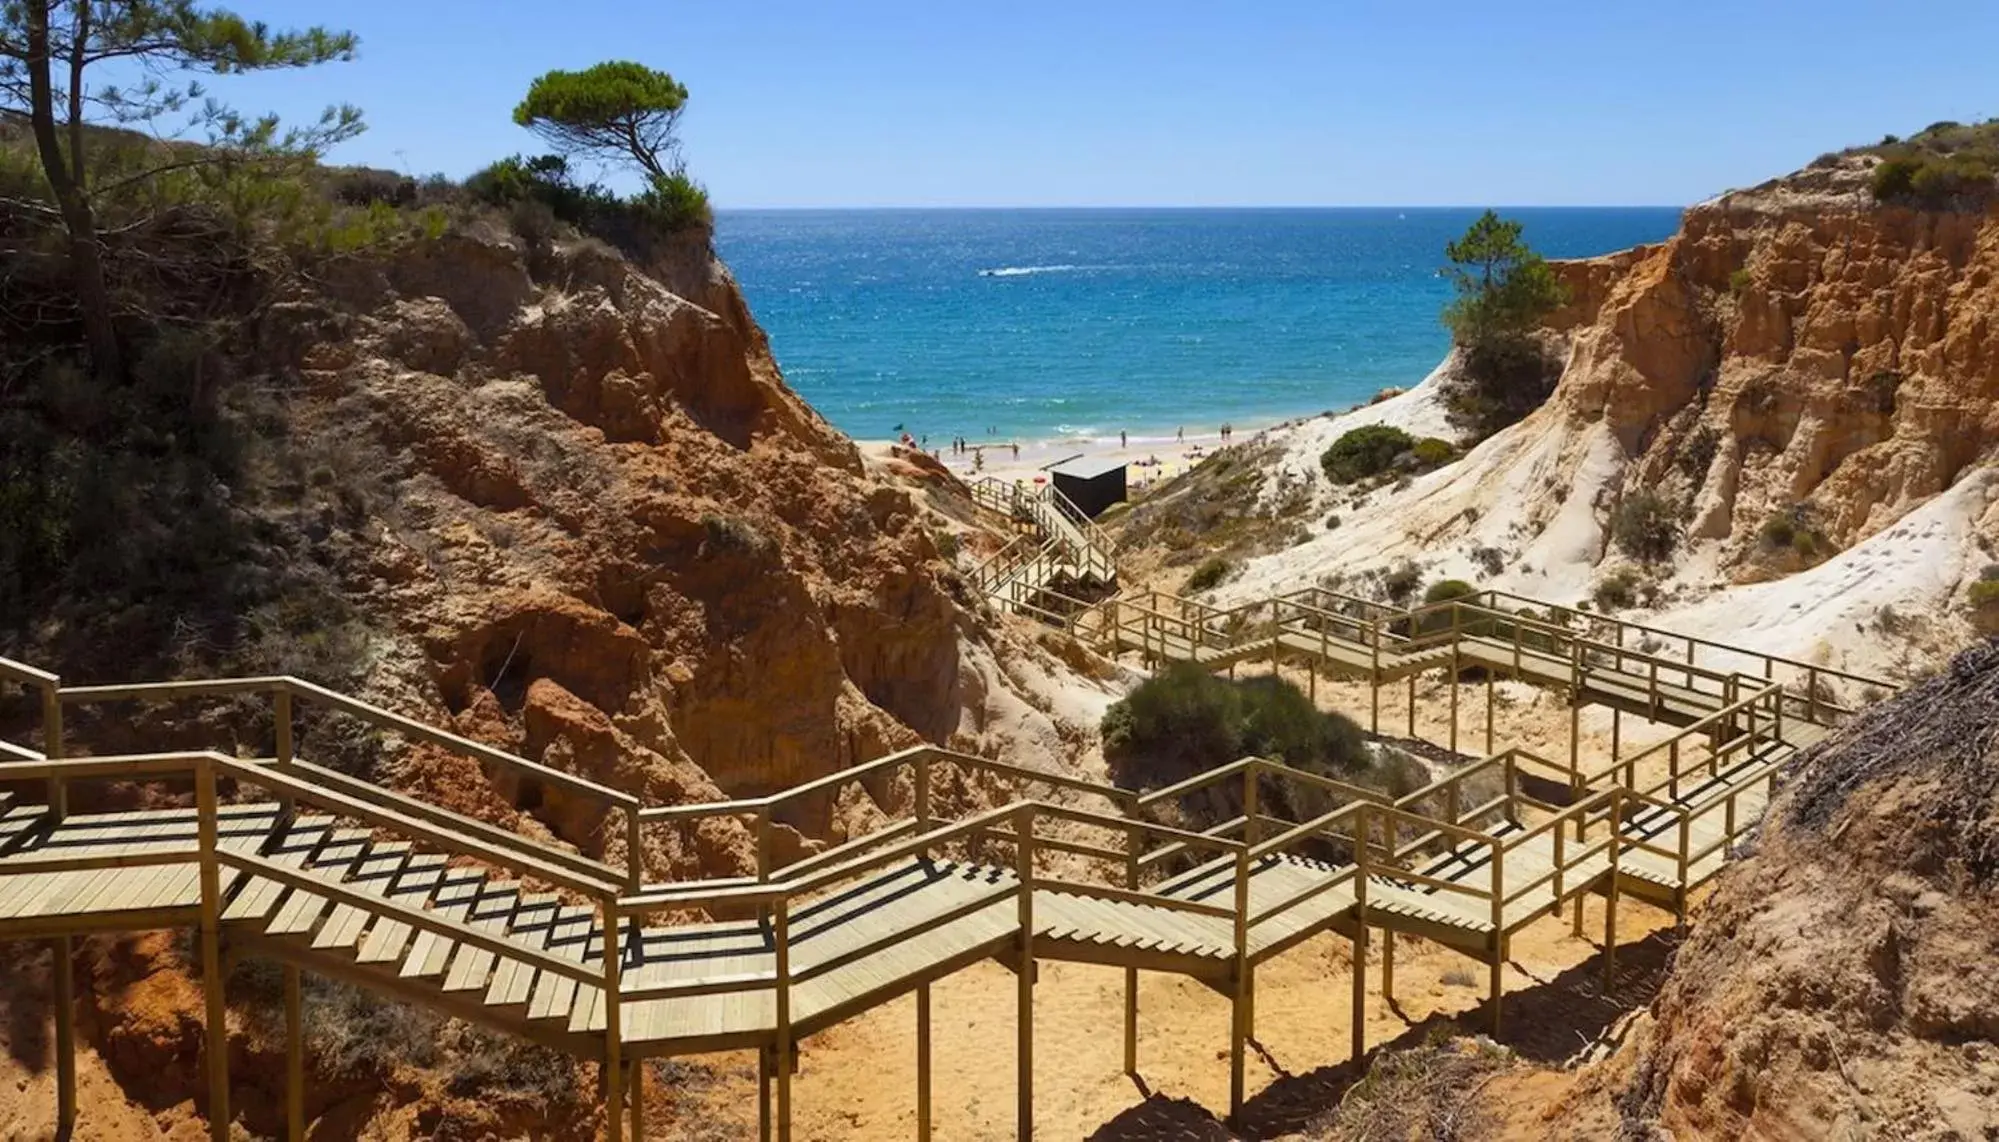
x,y
276,857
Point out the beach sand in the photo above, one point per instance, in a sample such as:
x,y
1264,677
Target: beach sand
x,y
1173,457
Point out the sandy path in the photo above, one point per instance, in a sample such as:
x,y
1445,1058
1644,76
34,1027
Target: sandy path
x,y
858,1080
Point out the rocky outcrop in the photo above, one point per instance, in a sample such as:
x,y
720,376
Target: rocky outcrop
x,y
1831,987
605,534
1795,344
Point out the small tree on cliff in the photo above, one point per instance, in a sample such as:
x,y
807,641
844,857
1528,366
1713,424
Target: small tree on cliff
x,y
1504,290
621,112
50,52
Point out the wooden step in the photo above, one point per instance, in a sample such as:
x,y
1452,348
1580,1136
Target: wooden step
x,y
376,872
428,950
301,911
258,897
421,879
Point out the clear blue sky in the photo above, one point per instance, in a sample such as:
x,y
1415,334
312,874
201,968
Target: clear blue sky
x,y
1111,102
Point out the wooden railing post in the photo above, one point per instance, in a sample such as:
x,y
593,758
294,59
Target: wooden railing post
x,y
614,1044
1361,827
1251,778
217,1029
58,790
635,864
1616,842
1561,866
1497,983
1239,1026
781,946
1134,839
61,949
922,806
1023,825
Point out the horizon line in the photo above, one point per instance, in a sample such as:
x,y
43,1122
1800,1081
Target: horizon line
x,y
1208,206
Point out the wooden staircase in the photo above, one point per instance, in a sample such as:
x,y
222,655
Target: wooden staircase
x,y
323,872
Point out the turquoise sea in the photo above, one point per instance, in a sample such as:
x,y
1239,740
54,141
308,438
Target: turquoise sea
x,y
1032,324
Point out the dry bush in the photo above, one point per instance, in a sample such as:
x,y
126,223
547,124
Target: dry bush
x,y
1427,1093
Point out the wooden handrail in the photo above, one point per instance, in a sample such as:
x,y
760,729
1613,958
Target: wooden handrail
x,y
27,675
422,919
534,864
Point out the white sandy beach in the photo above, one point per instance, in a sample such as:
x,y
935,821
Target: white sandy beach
x,y
1152,458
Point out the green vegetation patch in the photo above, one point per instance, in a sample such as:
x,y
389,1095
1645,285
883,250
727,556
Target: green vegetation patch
x,y
1184,721
1945,165
1645,528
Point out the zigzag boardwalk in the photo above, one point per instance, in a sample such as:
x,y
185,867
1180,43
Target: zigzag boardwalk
x,y
323,872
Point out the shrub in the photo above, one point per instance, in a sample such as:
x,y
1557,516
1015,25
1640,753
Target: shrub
x,y
1982,601
1698,453
1400,582
1739,280
1210,574
676,202
1444,590
1497,383
1895,178
1332,522
361,186
1644,527
1364,452
1433,452
1796,528
1184,721
1490,560
1617,590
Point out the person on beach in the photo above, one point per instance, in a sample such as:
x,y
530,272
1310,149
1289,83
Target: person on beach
x,y
1121,441
1182,435
1016,450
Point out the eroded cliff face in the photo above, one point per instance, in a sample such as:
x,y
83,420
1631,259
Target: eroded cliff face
x,y
1795,344
611,538
1833,984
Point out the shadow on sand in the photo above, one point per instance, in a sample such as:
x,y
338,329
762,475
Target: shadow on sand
x,y
1546,1023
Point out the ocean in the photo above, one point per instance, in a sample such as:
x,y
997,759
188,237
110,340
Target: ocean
x,y
1040,324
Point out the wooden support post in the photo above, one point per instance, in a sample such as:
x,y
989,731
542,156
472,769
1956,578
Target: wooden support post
x,y
1454,698
1388,965
637,1086
781,941
294,1055
614,1045
1496,984
1616,737
1239,1011
1134,839
1498,923
1360,936
763,1094
1575,739
1560,834
1488,711
1023,824
1252,778
1412,706
217,1027
1610,895
65,1003
61,948
923,1063
1374,679
58,793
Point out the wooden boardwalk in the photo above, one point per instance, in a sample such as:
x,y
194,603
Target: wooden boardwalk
x,y
325,873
